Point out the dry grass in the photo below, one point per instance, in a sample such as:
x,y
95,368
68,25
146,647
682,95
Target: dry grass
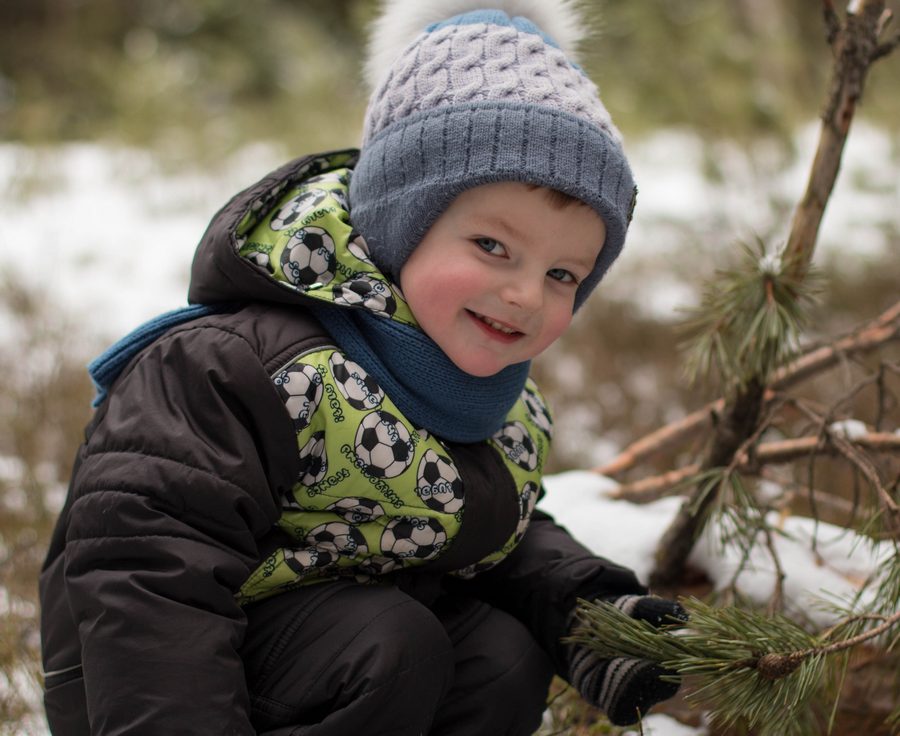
x,y
44,401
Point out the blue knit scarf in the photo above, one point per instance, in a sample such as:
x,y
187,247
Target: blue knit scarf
x,y
414,372
420,379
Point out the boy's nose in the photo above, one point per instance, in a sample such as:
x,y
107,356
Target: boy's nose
x,y
524,292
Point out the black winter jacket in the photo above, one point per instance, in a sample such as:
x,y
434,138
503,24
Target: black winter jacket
x,y
174,500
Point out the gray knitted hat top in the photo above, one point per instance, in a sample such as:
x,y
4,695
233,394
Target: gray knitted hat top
x,y
477,98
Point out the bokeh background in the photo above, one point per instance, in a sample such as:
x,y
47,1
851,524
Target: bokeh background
x,y
125,125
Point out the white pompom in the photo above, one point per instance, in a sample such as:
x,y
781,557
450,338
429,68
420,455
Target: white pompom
x,y
401,21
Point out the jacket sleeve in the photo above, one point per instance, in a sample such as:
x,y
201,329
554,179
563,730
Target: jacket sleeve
x,y
177,482
541,580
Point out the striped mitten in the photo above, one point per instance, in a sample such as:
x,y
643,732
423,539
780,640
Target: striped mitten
x,y
622,687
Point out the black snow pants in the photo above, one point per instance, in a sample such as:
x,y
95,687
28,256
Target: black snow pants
x,y
339,658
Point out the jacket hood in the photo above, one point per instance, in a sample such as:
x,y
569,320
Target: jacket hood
x,y
289,238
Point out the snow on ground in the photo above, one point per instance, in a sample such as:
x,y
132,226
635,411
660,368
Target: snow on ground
x,y
108,235
627,533
662,725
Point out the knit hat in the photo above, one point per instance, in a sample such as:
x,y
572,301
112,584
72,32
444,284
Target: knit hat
x,y
478,96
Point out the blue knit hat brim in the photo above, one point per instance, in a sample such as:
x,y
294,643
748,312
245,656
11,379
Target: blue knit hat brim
x,y
410,172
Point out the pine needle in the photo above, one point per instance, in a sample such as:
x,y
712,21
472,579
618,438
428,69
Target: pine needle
x,y
724,652
749,320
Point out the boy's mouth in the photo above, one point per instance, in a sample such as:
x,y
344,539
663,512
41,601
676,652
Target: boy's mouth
x,y
494,325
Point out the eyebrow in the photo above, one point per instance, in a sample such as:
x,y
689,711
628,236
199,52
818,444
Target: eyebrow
x,y
490,220
499,222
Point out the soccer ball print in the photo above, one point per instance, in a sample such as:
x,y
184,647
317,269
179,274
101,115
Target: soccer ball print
x,y
313,460
338,538
330,177
517,445
358,387
356,510
438,483
527,499
409,537
367,292
300,387
291,211
378,565
308,258
537,411
359,248
383,445
302,561
260,258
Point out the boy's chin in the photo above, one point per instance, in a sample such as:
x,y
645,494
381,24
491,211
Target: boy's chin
x,y
481,370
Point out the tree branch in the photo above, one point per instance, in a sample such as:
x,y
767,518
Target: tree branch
x,y
774,666
855,46
769,453
864,339
832,21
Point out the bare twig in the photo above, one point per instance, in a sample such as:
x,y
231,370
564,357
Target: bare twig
x,y
832,21
769,453
774,666
835,503
865,466
784,451
864,339
855,47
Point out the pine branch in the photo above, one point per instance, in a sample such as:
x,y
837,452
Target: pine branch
x,y
761,671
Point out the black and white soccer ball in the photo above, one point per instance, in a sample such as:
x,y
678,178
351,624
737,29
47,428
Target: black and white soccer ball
x,y
313,460
383,445
308,258
356,510
359,248
294,209
537,411
300,387
438,483
367,292
359,388
304,560
259,258
329,177
340,198
527,499
515,442
415,537
379,565
338,538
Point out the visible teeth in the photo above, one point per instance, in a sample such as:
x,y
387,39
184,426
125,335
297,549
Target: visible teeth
x,y
498,326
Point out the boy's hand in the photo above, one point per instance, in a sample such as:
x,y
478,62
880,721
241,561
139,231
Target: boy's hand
x,y
625,688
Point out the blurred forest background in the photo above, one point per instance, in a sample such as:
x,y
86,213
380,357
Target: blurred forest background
x,y
195,82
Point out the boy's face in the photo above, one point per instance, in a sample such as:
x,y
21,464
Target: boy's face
x,y
493,282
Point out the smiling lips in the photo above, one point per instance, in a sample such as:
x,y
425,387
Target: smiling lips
x,y
495,329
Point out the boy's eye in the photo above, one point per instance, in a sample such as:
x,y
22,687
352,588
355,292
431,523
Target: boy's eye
x,y
489,245
560,274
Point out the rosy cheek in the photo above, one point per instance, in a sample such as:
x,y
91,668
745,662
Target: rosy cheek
x,y
558,324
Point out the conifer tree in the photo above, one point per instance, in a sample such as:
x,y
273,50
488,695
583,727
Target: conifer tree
x,y
763,671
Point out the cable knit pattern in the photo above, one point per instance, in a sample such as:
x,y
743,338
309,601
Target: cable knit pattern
x,y
469,63
479,98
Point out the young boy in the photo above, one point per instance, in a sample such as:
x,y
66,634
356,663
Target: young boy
x,y
307,507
